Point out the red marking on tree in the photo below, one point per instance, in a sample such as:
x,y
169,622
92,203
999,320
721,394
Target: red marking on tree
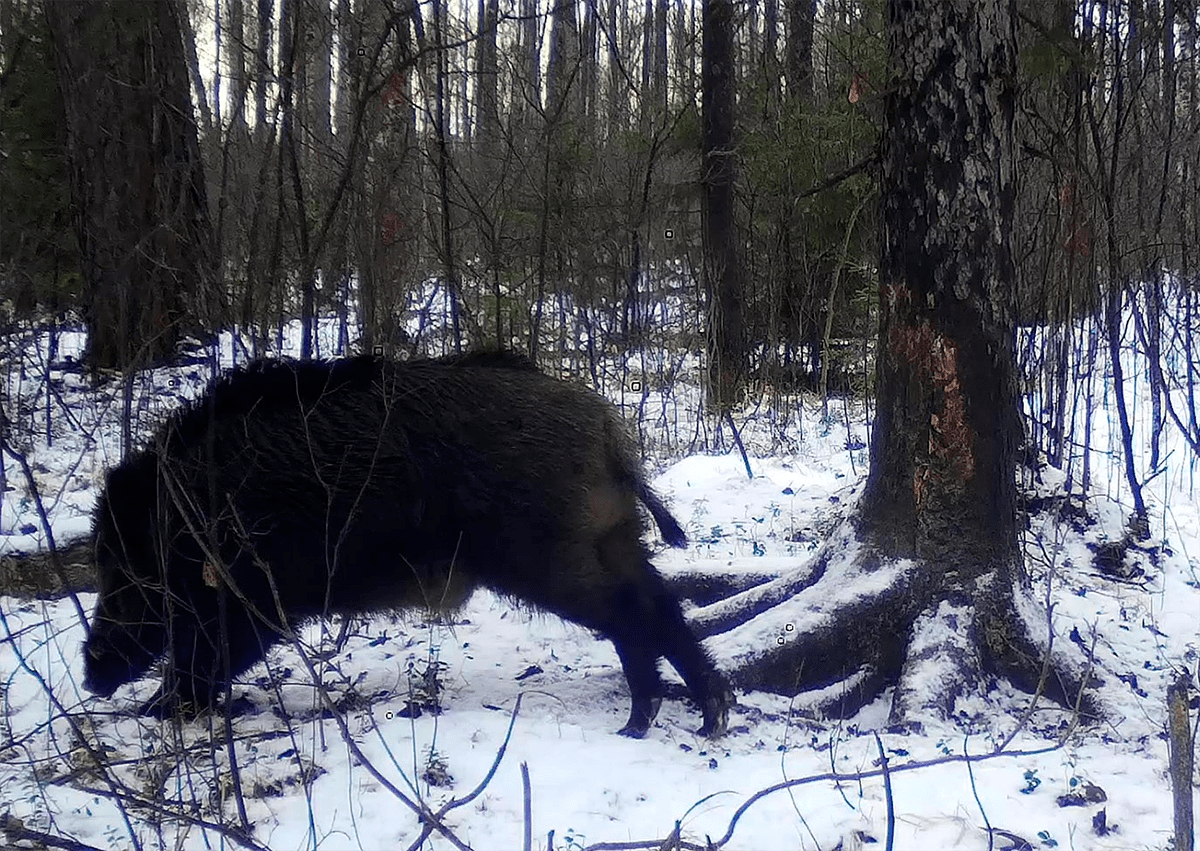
x,y
856,88
396,90
954,447
1079,226
1066,194
1079,241
933,357
390,227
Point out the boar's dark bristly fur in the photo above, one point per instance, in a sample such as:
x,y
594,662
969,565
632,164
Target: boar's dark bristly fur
x,y
296,490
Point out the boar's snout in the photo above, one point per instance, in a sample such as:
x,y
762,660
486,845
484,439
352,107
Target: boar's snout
x,y
98,676
111,658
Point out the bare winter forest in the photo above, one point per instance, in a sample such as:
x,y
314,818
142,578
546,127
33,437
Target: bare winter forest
x,y
900,301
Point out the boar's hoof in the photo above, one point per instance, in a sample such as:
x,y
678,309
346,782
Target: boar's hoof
x,y
632,730
168,702
714,728
641,716
716,717
164,705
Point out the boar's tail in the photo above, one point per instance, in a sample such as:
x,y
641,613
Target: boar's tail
x,y
671,531
624,466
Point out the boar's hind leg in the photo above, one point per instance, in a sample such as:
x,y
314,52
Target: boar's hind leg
x,y
581,588
640,663
684,652
644,621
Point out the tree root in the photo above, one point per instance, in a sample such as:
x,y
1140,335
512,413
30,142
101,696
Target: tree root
x,y
850,624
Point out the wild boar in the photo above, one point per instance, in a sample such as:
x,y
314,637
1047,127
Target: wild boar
x,y
295,490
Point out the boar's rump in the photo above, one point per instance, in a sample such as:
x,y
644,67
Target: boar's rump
x,y
296,490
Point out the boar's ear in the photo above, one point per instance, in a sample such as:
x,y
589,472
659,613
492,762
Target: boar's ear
x,y
118,478
129,476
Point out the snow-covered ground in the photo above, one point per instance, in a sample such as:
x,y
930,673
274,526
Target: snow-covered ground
x,y
304,787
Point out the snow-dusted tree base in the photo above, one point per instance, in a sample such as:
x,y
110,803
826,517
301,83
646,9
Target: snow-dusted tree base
x,y
850,624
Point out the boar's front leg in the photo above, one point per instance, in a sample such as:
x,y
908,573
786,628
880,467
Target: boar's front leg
x,y
197,676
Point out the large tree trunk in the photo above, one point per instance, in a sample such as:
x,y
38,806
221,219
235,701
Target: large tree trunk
x,y
487,77
722,267
137,184
925,584
660,78
943,456
528,86
618,83
388,212
442,130
802,16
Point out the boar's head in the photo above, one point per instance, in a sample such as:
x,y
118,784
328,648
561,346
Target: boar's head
x,y
128,630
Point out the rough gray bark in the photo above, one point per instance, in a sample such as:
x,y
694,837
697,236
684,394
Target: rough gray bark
x,y
348,63
618,83
235,54
562,64
35,575
770,67
529,83
388,165
722,266
137,183
589,56
443,173
319,92
487,77
801,16
262,63
659,82
943,455
647,51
